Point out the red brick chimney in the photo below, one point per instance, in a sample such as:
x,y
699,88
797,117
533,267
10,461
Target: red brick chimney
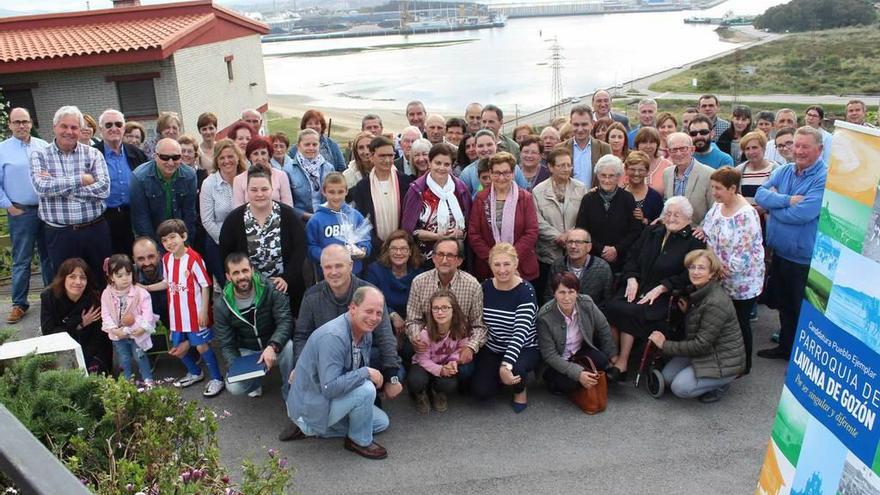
x,y
126,3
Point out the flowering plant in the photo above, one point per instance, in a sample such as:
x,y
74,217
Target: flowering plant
x,y
118,438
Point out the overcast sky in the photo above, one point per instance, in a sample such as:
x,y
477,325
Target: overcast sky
x,y
72,5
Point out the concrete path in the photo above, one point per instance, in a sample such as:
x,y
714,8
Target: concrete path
x,y
638,446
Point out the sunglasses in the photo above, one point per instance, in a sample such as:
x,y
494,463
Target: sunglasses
x,y
701,132
111,125
169,158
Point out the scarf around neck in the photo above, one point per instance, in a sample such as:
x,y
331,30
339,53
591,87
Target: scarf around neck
x,y
448,203
312,168
385,207
607,197
508,215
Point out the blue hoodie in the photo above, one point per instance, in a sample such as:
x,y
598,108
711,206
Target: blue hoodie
x,y
791,230
323,230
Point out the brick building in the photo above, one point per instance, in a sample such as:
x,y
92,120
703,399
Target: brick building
x,y
186,57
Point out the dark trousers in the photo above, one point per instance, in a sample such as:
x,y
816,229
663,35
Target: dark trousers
x,y
541,282
213,262
788,286
486,382
743,315
91,243
121,233
418,381
558,383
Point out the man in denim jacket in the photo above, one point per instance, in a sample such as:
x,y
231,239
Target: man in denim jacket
x,y
793,198
161,189
334,386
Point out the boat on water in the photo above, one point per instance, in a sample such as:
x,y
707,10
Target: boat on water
x,y
729,19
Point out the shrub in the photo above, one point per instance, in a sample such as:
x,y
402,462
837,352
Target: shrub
x,y
118,438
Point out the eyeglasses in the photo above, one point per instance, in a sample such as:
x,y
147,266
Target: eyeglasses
x,y
680,149
445,256
575,242
701,132
111,125
169,158
441,309
496,173
20,122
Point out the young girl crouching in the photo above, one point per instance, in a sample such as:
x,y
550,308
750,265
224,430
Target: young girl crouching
x,y
436,369
127,317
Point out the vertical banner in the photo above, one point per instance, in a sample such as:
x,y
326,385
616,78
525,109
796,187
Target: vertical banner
x,y
826,433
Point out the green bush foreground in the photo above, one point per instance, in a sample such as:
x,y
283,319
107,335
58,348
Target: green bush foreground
x,y
118,438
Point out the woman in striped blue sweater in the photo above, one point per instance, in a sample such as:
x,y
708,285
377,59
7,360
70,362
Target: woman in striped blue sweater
x,y
509,311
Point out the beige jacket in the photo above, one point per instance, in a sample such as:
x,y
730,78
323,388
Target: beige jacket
x,y
554,217
698,190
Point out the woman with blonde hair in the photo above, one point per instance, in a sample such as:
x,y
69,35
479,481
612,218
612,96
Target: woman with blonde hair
x,y
509,310
215,201
711,355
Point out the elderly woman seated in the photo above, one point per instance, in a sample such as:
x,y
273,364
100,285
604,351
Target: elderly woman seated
x,y
712,353
653,270
569,325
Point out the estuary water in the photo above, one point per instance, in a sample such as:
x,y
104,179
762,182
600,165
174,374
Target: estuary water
x,y
507,66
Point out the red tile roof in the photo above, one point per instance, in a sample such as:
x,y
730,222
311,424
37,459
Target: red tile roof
x,y
116,36
96,37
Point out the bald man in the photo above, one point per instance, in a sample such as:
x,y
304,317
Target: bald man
x,y
150,185
18,197
330,298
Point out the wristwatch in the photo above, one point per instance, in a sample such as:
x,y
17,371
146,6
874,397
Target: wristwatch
x,y
395,380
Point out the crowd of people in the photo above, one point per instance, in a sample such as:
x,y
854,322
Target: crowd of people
x,y
449,258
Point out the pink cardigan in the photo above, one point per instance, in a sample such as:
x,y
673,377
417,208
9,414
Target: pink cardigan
x,y
138,305
280,188
438,353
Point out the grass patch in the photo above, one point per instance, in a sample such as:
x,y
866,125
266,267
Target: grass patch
x,y
835,61
290,126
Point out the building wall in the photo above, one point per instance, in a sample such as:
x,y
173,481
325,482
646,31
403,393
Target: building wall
x,y
192,81
89,90
205,85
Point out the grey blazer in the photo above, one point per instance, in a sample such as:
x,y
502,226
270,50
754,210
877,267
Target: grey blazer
x,y
552,331
698,190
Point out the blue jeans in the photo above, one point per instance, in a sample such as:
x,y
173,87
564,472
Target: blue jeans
x,y
354,416
126,350
25,231
284,364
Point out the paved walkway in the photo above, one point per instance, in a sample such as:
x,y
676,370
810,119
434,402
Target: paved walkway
x,y
639,445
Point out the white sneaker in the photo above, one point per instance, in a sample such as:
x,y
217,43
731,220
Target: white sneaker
x,y
214,388
256,393
189,379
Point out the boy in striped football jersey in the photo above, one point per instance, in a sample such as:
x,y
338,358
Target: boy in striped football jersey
x,y
189,292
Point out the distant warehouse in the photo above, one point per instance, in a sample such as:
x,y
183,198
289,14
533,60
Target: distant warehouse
x,y
186,57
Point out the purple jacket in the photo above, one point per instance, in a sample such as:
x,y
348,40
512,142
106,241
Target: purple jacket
x,y
412,203
438,353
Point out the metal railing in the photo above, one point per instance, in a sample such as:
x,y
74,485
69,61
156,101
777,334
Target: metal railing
x,y
29,464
